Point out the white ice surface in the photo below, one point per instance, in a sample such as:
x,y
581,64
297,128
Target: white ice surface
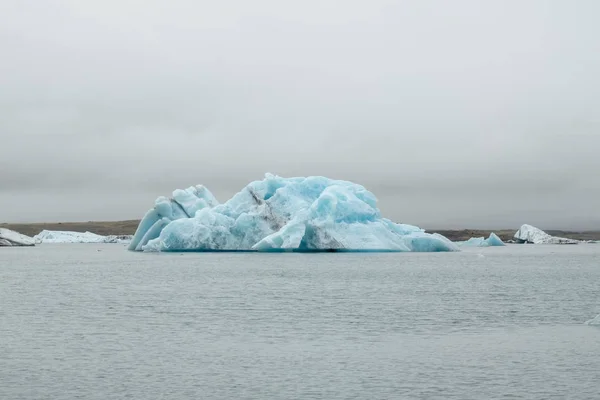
x,y
531,234
46,236
12,238
492,240
595,321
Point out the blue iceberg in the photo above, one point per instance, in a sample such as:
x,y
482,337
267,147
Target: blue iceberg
x,y
492,240
279,214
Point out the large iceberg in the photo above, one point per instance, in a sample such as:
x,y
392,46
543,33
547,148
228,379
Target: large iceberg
x,y
492,240
531,234
12,238
279,214
46,236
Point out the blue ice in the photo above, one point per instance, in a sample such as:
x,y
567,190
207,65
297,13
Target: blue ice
x,y
492,240
279,214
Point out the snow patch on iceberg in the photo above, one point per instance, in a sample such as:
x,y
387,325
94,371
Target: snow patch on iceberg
x,y
531,234
492,240
279,214
46,236
12,238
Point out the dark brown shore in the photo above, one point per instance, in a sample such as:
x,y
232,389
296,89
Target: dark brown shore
x,y
128,228
99,227
507,234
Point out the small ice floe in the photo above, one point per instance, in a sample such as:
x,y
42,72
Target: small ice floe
x,y
595,321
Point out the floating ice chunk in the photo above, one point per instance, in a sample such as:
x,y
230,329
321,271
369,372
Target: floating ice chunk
x,y
12,238
595,321
474,242
117,238
279,214
492,240
46,236
531,234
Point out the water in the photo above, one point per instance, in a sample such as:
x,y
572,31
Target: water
x,y
98,322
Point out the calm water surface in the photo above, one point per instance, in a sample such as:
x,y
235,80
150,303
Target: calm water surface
x,y
98,322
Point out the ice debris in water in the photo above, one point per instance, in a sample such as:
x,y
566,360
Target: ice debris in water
x,y
531,234
595,321
12,238
46,236
492,240
279,214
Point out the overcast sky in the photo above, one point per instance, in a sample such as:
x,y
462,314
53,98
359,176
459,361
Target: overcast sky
x,y
454,113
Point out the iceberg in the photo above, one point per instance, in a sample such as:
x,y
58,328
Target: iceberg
x,y
531,234
279,214
595,321
46,236
118,238
492,240
12,238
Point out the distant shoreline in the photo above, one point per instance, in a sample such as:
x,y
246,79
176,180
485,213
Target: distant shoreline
x,y
128,227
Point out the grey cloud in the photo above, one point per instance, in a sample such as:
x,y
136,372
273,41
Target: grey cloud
x,y
464,114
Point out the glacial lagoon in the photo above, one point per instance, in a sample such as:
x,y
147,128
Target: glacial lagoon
x,y
96,321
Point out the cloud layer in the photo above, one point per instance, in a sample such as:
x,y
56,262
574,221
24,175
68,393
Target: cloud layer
x,y
455,114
